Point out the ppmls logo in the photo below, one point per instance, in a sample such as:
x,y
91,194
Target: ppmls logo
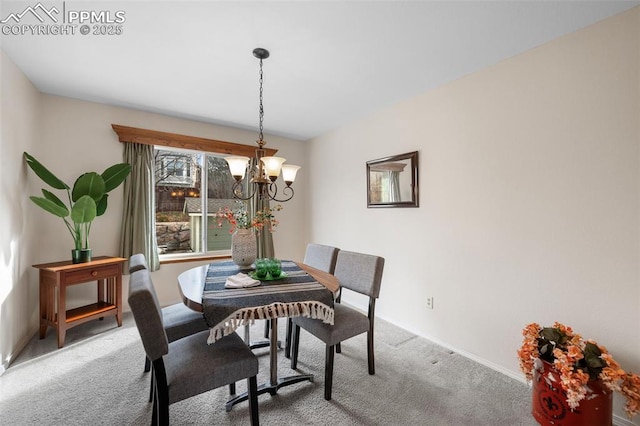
x,y
42,20
38,11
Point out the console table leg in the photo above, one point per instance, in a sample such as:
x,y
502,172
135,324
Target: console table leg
x,y
61,320
48,296
61,335
43,306
118,297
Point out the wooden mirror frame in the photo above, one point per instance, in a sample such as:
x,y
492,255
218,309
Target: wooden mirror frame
x,y
391,163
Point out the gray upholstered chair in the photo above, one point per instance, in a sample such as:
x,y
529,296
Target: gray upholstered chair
x,y
178,320
320,257
137,262
187,366
358,272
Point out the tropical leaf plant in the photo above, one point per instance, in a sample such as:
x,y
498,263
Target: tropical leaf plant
x,y
86,200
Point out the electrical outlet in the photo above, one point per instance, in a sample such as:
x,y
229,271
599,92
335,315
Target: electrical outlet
x,y
429,302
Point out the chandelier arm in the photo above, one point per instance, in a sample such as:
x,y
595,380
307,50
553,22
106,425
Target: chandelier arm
x,y
273,193
237,191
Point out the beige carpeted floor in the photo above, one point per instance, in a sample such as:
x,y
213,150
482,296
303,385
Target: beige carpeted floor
x,y
97,379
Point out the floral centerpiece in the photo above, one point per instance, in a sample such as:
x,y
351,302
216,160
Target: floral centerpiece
x,y
577,361
239,218
243,240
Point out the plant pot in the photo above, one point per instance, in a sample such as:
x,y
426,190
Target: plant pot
x,y
549,401
243,247
81,256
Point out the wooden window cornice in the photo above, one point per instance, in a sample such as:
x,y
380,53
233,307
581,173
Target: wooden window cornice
x,y
174,140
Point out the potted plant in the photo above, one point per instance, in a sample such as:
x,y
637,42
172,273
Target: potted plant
x,y
573,379
85,201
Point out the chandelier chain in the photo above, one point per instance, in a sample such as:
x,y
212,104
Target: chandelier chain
x,y
261,110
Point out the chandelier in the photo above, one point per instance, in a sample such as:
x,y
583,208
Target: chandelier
x,y
264,170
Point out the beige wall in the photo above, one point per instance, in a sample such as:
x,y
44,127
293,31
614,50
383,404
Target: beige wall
x,y
528,199
19,130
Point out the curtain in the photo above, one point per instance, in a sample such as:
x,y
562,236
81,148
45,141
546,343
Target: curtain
x,y
394,186
138,234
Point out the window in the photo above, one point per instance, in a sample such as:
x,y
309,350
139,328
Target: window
x,y
185,220
185,167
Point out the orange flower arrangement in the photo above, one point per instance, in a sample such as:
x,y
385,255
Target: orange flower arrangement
x,y
578,361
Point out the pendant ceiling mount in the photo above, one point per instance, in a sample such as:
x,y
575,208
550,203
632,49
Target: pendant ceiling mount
x,y
260,53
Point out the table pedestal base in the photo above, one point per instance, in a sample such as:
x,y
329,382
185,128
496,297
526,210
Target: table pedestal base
x,y
271,388
275,383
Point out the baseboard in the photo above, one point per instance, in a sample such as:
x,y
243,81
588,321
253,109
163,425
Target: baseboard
x,y
519,377
19,348
621,421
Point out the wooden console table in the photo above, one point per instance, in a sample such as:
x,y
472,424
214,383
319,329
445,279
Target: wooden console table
x,y
56,277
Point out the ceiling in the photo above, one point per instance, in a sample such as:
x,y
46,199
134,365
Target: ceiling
x,y
331,62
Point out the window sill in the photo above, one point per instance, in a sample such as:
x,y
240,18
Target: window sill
x,y
198,258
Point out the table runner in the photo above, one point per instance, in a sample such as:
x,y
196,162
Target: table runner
x,y
299,294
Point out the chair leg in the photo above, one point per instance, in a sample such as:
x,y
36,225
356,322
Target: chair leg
x,y
287,344
372,367
163,412
154,415
147,365
232,388
152,387
252,385
161,394
371,315
295,343
338,348
328,373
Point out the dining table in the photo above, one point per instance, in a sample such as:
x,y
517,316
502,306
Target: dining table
x,y
301,291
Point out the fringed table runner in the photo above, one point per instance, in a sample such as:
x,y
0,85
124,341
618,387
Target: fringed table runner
x,y
298,294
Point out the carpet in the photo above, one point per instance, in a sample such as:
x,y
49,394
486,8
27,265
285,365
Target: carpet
x,y
97,379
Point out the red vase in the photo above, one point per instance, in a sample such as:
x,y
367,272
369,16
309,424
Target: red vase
x,y
549,403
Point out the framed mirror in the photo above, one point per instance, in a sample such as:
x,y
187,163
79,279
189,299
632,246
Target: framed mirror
x,y
393,181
